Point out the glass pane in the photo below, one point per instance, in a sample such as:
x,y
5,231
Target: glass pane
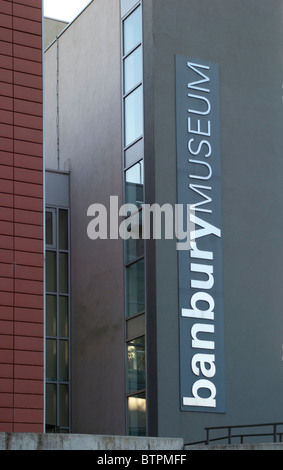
x,y
64,405
63,273
133,116
51,278
51,315
51,407
134,184
135,288
137,415
63,361
63,229
63,316
133,70
51,360
132,31
136,364
49,228
134,246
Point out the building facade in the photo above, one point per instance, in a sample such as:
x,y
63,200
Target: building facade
x,y
175,105
172,104
21,218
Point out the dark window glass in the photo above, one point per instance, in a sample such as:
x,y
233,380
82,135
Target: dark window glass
x,y
63,273
51,406
51,360
136,364
63,316
134,184
135,244
63,229
135,288
51,315
63,361
64,405
51,277
49,227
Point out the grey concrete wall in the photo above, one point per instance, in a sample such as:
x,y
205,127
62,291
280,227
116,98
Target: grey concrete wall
x,y
245,39
29,441
89,102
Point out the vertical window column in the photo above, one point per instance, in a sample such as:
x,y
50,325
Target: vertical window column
x,y
57,332
133,123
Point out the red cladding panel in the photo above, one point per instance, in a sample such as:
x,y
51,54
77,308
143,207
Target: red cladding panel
x,y
21,217
5,33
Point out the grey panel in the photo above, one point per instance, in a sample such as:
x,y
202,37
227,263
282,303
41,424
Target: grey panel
x,y
57,192
126,6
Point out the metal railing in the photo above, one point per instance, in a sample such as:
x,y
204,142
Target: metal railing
x,y
229,435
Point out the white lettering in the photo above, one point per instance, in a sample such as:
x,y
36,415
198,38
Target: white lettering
x,y
198,130
97,228
202,177
200,98
201,254
207,199
197,151
205,78
207,228
195,312
199,401
201,328
202,360
202,268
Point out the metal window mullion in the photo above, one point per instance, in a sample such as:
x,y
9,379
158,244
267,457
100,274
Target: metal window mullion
x,y
136,260
57,317
126,168
127,147
135,87
69,319
124,57
137,392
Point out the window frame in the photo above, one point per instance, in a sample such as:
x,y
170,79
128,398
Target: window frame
x,y
58,338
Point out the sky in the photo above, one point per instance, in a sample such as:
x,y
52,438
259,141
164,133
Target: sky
x,y
65,10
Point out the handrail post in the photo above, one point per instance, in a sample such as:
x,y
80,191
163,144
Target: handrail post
x,y
274,432
229,434
207,436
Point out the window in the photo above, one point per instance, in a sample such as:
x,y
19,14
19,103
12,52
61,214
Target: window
x,y
136,364
137,415
133,70
134,245
133,116
50,227
133,120
134,184
132,31
57,315
136,387
135,299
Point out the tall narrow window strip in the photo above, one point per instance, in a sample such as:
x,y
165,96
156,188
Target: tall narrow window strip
x,y
57,320
133,117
